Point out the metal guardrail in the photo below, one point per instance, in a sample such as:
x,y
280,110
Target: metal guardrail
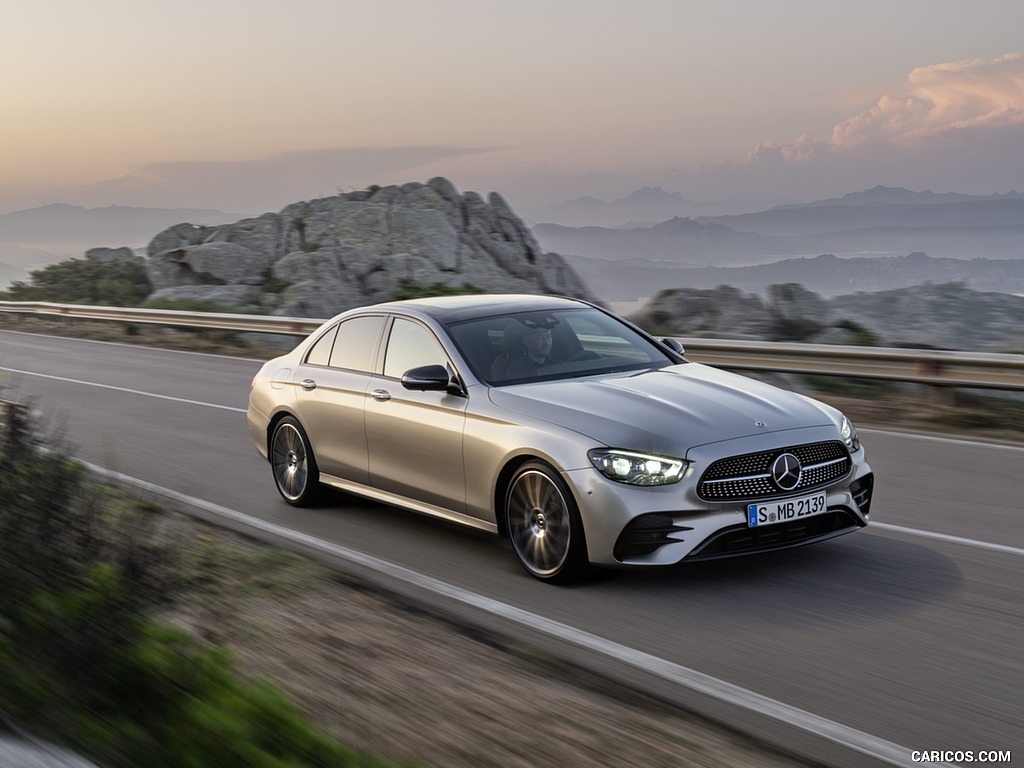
x,y
934,367
288,326
920,366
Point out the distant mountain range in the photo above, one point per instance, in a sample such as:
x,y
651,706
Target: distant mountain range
x,y
882,195
646,205
881,207
879,222
61,226
828,275
650,205
690,243
882,220
17,262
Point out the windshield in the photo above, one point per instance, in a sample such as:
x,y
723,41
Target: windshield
x,y
553,344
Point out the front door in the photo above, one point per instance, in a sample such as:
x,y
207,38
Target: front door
x,y
415,438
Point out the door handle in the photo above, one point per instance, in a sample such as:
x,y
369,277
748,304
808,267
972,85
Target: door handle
x,y
381,394
308,384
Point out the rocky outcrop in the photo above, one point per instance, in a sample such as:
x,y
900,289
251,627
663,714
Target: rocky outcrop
x,y
319,257
722,312
947,316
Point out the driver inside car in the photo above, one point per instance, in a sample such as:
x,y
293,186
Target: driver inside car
x,y
538,351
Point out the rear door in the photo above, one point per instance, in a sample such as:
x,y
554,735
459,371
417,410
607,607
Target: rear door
x,y
331,385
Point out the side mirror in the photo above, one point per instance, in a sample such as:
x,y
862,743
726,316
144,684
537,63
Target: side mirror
x,y
432,378
426,377
674,345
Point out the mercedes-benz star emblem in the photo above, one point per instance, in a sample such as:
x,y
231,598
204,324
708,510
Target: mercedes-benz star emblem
x,y
786,471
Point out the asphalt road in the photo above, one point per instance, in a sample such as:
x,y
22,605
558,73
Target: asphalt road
x,y
911,631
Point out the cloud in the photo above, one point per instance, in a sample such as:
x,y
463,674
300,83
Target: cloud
x,y
954,126
938,104
940,99
804,149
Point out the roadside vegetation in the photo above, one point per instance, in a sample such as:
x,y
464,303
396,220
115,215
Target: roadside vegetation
x,y
410,289
125,284
84,281
85,657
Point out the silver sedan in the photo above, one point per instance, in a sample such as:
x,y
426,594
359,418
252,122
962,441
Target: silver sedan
x,y
556,424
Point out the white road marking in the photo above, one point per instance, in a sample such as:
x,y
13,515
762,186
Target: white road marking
x,y
142,346
946,537
876,526
126,390
865,743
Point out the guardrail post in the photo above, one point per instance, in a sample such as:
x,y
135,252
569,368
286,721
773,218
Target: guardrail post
x,y
929,367
13,417
942,394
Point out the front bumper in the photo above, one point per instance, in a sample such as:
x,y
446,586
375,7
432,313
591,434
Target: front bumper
x,y
628,526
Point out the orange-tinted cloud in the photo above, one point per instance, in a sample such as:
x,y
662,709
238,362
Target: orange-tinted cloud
x,y
941,98
938,101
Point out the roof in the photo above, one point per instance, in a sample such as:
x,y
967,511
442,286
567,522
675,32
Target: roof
x,y
447,309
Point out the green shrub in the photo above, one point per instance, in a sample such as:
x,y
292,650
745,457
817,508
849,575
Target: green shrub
x,y
860,336
189,305
794,328
85,281
82,658
847,385
410,289
273,284
211,336
987,413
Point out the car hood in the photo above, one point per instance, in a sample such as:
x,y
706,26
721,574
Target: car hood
x,y
668,410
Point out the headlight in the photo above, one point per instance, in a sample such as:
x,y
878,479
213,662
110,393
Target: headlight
x,y
637,468
849,434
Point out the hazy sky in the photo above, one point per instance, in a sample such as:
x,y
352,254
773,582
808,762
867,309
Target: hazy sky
x,y
248,106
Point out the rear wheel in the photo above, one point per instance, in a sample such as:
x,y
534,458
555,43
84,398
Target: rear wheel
x,y
291,458
544,525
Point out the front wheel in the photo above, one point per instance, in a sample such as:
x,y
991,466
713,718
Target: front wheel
x,y
291,458
545,526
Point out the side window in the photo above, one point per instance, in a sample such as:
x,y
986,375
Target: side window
x,y
356,342
320,352
410,345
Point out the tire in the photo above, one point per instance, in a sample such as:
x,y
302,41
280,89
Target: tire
x,y
293,463
545,527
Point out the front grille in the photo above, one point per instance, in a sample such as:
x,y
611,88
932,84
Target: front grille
x,y
742,540
749,476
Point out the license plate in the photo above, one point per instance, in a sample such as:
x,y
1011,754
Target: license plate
x,y
785,510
